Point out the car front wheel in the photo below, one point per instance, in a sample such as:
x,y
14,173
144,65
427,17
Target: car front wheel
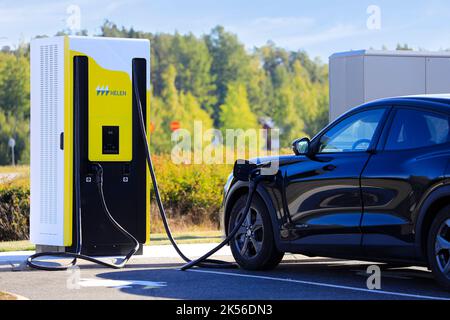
x,y
253,247
439,248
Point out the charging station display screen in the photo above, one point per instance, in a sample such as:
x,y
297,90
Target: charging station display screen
x,y
110,137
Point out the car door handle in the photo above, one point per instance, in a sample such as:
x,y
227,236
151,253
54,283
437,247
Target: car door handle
x,y
329,167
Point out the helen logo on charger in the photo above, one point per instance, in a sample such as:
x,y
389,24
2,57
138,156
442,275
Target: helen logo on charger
x,y
104,91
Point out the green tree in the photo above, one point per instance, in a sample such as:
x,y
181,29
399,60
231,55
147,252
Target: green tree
x,y
272,58
192,61
192,111
14,84
235,113
322,116
110,29
14,104
286,112
174,106
165,109
193,64
305,95
403,47
67,32
230,62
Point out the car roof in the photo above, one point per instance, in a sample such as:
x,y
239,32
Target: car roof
x,y
435,101
436,98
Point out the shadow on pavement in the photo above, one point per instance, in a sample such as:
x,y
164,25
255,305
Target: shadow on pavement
x,y
202,285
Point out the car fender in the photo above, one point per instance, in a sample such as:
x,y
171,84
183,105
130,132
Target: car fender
x,y
439,192
237,188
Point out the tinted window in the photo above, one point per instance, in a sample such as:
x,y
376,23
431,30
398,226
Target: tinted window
x,y
353,134
415,129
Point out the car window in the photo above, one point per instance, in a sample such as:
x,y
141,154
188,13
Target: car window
x,y
415,129
353,134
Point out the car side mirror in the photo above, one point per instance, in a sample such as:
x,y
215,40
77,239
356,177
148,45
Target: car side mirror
x,y
302,147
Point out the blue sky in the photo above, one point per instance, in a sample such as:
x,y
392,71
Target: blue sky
x,y
320,27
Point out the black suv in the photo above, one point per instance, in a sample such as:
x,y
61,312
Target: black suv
x,y
373,185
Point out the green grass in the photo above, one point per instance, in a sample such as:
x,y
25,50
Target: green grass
x,y
15,169
187,237
155,239
23,245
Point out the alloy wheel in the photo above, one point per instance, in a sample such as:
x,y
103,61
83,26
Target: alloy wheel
x,y
250,235
442,248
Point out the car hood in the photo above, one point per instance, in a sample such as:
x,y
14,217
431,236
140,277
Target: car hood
x,y
283,159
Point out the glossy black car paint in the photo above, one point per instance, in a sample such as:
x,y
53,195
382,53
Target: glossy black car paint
x,y
374,205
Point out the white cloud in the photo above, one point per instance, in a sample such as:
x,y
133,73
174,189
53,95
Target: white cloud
x,y
293,32
274,26
275,23
336,32
27,13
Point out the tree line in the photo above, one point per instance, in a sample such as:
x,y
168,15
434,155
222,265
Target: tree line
x,y
212,78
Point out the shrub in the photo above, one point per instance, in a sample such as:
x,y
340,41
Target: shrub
x,y
14,213
191,193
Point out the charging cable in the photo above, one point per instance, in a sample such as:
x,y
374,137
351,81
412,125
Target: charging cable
x,y
77,255
254,178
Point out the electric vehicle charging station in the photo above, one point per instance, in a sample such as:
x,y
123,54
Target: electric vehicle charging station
x,y
90,151
82,97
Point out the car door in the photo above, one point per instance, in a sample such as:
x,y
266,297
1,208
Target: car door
x,y
412,158
323,192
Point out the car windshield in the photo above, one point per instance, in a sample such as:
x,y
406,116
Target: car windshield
x,y
352,134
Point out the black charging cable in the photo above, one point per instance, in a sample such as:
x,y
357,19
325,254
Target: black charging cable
x,y
78,255
254,178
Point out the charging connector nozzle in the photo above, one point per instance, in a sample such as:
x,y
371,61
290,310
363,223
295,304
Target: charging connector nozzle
x,y
98,173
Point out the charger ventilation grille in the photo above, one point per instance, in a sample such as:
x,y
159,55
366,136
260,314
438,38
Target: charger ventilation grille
x,y
48,133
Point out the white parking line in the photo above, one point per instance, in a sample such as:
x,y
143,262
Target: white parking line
x,y
321,284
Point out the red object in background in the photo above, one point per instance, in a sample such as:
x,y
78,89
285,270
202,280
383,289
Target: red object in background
x,y
175,125
152,127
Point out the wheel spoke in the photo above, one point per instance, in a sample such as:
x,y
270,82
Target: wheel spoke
x,y
247,238
258,221
442,244
256,244
244,247
447,268
248,219
447,223
257,227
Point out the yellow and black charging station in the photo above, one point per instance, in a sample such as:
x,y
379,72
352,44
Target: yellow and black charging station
x,y
90,153
84,117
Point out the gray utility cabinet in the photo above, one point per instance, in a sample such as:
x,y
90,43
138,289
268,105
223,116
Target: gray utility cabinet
x,y
357,77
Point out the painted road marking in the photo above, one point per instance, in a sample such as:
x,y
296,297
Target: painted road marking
x,y
119,284
322,284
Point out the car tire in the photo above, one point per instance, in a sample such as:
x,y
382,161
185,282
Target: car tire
x,y
438,248
254,247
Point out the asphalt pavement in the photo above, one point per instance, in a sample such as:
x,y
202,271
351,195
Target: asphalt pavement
x,y
156,275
